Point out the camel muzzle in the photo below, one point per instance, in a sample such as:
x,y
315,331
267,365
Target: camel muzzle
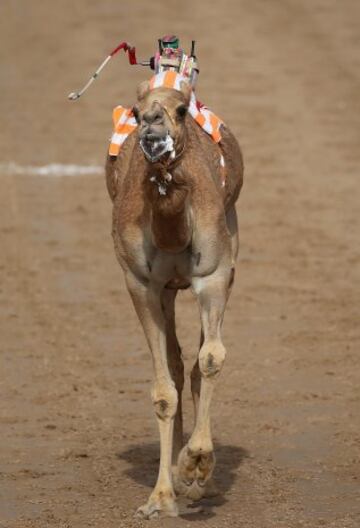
x,y
154,147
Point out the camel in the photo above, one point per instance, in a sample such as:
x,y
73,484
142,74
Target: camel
x,y
174,227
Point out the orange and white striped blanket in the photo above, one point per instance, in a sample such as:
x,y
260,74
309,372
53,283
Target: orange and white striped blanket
x,y
125,123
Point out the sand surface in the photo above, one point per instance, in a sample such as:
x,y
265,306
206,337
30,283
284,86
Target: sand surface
x,y
79,441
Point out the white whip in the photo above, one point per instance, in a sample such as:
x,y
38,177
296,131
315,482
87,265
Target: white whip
x,y
73,96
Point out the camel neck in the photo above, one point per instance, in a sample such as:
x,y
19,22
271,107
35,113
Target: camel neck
x,y
170,212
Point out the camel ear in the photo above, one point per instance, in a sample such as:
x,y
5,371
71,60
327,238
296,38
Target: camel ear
x,y
136,113
186,90
181,111
142,90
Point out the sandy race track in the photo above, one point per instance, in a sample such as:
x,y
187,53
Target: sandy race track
x,y
79,441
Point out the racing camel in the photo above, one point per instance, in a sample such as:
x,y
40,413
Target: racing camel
x,y
174,226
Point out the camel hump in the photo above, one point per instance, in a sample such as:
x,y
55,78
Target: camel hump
x,y
225,157
233,166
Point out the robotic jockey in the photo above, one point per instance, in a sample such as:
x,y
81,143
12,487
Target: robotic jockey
x,y
171,57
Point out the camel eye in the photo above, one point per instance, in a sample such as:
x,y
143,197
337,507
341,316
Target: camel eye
x,y
136,113
181,111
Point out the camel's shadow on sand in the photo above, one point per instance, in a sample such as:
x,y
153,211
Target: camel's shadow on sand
x,y
143,463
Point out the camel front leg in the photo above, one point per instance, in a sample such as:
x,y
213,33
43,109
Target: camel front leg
x,y
147,302
197,460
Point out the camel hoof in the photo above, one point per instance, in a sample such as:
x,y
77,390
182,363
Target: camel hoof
x,y
195,465
193,475
195,492
200,489
181,486
157,508
146,512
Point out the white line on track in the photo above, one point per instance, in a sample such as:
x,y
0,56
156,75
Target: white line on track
x,y
53,169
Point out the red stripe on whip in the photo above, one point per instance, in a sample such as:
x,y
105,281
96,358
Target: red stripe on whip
x,y
124,45
127,48
132,55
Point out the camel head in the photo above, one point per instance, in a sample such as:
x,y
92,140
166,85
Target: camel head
x,y
160,114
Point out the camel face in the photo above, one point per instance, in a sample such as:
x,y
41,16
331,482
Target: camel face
x,y
160,114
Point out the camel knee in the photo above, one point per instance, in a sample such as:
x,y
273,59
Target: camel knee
x,y
165,400
211,359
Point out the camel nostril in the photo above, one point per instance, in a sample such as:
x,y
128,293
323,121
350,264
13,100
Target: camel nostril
x,y
158,118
